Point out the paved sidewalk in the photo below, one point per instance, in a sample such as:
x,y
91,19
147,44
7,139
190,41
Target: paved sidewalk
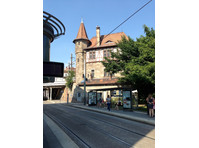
x,y
131,115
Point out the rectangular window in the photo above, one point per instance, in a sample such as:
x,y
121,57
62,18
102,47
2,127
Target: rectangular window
x,y
104,53
93,55
92,73
106,74
90,55
78,94
108,53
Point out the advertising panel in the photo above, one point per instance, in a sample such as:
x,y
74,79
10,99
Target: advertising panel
x,y
92,98
126,99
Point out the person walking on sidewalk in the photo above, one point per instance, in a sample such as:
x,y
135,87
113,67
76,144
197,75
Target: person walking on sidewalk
x,y
108,101
154,107
150,105
147,101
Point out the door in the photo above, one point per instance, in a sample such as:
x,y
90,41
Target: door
x,y
79,99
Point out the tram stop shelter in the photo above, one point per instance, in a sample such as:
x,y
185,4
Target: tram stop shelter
x,y
120,94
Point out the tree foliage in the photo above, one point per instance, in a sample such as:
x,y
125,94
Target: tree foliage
x,y
69,79
136,62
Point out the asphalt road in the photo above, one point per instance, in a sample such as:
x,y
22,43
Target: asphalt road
x,y
95,130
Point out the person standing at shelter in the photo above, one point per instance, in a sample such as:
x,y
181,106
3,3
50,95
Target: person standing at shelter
x,y
116,105
100,102
108,101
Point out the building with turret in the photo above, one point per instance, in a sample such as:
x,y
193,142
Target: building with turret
x,y
92,52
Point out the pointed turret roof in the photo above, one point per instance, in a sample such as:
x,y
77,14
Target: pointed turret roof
x,y
82,33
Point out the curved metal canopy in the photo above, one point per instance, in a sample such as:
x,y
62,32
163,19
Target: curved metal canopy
x,y
57,25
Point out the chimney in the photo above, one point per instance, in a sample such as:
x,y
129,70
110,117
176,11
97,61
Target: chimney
x,y
98,35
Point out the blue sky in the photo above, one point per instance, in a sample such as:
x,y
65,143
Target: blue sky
x,y
107,14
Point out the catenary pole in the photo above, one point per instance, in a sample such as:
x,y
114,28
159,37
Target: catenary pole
x,y
84,80
71,61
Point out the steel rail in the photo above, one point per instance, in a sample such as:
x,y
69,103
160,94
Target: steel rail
x,y
116,126
64,128
97,129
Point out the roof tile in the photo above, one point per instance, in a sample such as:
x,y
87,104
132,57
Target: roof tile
x,y
107,40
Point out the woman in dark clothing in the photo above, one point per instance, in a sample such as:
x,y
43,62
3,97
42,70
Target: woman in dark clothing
x,y
150,105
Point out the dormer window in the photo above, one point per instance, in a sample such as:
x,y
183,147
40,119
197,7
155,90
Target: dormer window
x,y
109,41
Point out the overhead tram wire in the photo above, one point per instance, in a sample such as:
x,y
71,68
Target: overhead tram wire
x,y
108,35
126,20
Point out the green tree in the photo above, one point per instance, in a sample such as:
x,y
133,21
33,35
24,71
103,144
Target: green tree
x,y
136,62
69,79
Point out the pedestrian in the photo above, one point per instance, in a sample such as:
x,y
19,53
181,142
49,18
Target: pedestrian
x,y
150,105
120,102
154,106
116,105
100,102
147,104
108,101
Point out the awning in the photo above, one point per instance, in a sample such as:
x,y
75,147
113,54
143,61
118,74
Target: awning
x,y
54,84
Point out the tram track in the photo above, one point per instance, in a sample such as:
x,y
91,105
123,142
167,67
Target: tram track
x,y
79,141
99,130
111,124
65,114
